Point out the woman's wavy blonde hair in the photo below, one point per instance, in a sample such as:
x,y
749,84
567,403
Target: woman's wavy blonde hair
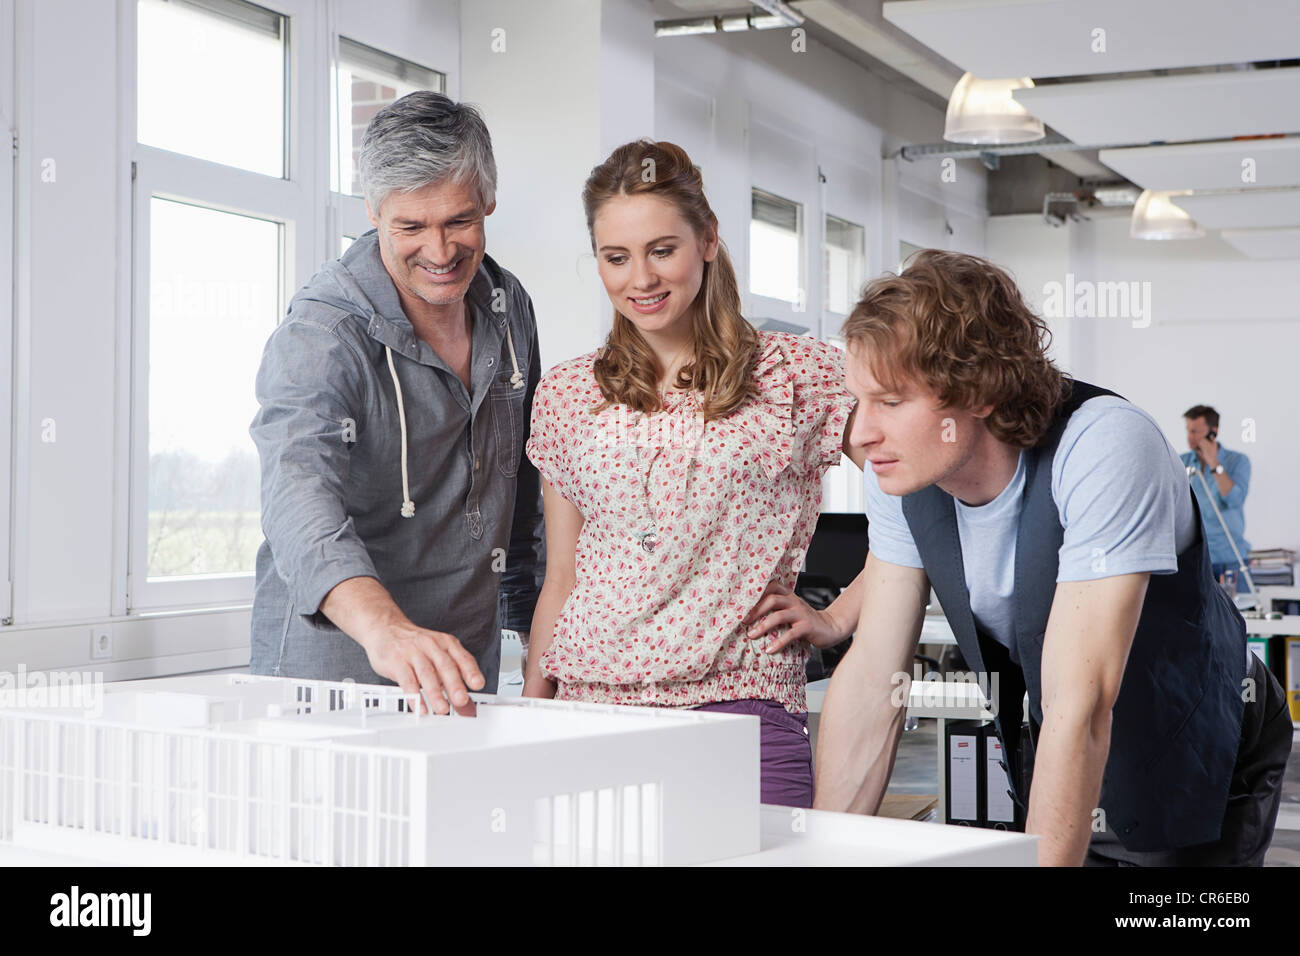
x,y
958,325
725,344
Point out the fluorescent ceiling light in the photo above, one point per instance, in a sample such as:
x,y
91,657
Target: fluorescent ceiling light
x,y
983,112
686,28
1116,195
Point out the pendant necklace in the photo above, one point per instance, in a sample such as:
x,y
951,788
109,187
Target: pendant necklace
x,y
649,537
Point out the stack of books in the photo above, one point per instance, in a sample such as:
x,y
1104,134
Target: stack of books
x,y
1273,566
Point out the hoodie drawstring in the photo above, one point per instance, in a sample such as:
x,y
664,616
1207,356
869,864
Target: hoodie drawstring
x,y
408,506
516,381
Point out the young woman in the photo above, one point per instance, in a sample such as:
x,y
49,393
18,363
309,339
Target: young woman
x,y
681,469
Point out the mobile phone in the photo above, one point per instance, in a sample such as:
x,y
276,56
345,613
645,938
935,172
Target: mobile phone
x,y
1212,434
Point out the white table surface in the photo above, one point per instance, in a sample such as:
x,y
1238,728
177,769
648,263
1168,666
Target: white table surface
x,y
788,837
820,838
810,837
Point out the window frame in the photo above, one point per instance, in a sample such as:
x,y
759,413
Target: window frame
x,y
796,311
849,193
347,211
131,66
829,315
291,201
906,250
8,223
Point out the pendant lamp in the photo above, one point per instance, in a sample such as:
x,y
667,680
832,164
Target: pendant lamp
x,y
1156,217
983,112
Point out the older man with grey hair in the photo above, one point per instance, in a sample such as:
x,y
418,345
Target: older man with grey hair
x,y
402,520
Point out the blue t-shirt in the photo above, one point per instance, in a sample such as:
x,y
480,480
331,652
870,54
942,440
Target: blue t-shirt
x,y
1121,494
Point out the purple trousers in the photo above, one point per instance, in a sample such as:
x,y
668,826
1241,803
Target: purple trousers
x,y
785,752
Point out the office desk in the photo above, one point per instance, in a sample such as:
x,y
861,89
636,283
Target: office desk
x,y
1263,627
935,629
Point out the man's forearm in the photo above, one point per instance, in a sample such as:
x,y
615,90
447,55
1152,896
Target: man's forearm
x,y
857,737
1225,484
866,703
1068,768
846,609
362,608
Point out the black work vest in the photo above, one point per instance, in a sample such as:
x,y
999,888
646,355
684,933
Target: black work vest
x,y
1176,724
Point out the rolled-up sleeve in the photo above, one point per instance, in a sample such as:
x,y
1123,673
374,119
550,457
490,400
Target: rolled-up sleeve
x,y
1240,475
310,394
521,582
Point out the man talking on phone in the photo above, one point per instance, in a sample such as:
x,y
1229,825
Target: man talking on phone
x,y
1227,479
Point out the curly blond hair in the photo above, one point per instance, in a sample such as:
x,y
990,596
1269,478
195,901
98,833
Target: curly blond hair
x,y
959,325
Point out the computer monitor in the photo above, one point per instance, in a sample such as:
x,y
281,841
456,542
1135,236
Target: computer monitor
x,y
837,552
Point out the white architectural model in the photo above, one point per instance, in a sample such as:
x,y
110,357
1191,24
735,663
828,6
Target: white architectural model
x,y
247,770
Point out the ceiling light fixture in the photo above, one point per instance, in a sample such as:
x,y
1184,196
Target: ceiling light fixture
x,y
983,112
686,28
1156,217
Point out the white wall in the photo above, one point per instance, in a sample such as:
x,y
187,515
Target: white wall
x,y
1224,330
1035,253
426,32
7,218
575,78
578,77
754,111
68,272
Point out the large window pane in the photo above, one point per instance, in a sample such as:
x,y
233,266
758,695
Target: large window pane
x,y
213,299
844,264
366,81
211,81
775,245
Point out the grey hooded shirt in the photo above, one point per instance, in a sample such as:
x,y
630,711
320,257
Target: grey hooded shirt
x,y
329,432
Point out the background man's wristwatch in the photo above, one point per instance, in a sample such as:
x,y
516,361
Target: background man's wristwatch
x,y
1218,469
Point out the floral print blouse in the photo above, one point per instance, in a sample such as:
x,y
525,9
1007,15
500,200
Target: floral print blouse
x,y
684,525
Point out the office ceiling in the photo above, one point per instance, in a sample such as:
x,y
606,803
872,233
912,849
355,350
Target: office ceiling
x,y
1265,243
1183,108
1042,38
1261,208
1199,95
1232,164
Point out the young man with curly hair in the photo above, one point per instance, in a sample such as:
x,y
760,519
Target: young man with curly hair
x,y
1055,523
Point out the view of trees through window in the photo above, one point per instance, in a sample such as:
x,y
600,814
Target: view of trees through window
x,y
214,298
